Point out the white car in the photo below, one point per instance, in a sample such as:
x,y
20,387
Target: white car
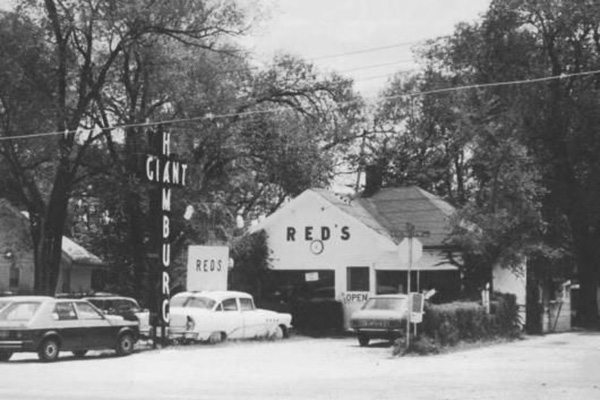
x,y
214,316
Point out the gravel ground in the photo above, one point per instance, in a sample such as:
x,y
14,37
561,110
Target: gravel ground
x,y
560,366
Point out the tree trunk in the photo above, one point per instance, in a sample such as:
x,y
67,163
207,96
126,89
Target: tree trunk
x,y
136,241
49,251
587,259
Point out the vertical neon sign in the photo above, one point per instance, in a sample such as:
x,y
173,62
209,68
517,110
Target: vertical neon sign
x,y
165,170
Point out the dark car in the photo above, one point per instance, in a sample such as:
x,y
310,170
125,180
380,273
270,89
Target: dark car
x,y
126,307
47,325
381,317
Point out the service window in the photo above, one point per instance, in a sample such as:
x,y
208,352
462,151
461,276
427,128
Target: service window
x,y
65,311
86,311
230,305
357,279
246,304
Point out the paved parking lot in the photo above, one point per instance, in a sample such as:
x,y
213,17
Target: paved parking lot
x,y
561,366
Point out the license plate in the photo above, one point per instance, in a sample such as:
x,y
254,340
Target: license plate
x,y
376,324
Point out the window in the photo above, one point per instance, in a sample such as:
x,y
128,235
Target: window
x,y
98,303
193,301
14,275
200,302
219,307
125,305
65,311
86,311
395,304
358,279
246,304
230,305
19,311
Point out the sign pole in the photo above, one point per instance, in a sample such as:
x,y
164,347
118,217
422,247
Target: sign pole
x,y
410,230
409,235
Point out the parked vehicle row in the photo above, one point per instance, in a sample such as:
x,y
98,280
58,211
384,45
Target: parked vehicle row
x,y
48,325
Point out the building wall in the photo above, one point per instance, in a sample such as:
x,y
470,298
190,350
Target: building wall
x,y
507,280
346,242
15,249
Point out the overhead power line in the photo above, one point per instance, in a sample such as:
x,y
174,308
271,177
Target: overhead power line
x,y
209,116
366,50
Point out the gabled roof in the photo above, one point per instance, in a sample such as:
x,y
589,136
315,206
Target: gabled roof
x,y
78,255
390,209
355,209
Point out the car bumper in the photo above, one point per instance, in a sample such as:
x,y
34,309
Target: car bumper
x,y
17,345
379,333
182,335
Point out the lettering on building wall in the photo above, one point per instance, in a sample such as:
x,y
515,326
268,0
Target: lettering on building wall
x,y
309,233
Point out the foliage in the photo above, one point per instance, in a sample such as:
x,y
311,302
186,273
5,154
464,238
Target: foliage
x,y
422,345
91,66
451,323
250,254
507,320
518,159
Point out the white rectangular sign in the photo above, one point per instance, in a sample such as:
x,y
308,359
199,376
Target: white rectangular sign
x,y
207,268
311,276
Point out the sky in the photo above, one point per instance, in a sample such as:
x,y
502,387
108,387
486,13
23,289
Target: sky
x,y
321,30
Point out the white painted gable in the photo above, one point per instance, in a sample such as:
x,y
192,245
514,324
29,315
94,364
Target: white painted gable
x,y
296,231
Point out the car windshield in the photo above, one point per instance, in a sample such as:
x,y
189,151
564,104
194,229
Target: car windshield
x,y
385,303
193,301
19,311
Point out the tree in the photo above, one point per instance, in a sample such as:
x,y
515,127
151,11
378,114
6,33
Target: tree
x,y
531,147
556,120
85,39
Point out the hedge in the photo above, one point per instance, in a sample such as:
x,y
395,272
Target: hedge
x,y
447,324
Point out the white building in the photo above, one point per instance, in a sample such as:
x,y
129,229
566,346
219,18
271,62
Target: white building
x,y
326,246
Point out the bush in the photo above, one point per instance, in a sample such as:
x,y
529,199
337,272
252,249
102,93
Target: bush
x,y
505,315
421,345
451,322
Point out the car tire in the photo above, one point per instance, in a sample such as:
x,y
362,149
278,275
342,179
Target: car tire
x,y
363,340
49,350
125,344
279,333
216,337
5,355
80,353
